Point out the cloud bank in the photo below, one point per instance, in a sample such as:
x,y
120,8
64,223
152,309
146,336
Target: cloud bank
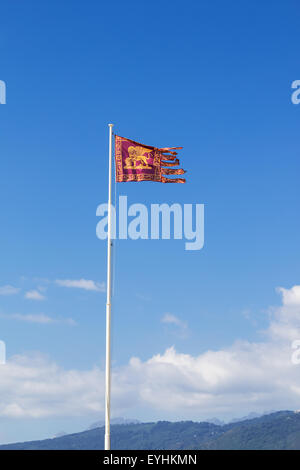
x,y
225,383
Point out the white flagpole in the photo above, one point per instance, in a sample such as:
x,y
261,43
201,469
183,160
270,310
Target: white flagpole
x,y
108,304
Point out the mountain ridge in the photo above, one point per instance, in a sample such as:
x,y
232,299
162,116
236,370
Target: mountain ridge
x,y
279,430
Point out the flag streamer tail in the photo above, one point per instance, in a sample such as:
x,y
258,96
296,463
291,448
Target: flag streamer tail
x,y
173,171
165,163
168,149
167,152
172,180
168,156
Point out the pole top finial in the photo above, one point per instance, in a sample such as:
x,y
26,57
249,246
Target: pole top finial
x,y
110,125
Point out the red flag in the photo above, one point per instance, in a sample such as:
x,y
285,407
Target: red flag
x,y
139,162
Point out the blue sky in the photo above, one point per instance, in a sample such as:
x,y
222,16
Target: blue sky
x,y
212,77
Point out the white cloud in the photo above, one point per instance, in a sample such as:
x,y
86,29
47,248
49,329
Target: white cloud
x,y
230,382
85,284
31,318
170,319
8,290
34,295
37,318
33,386
290,296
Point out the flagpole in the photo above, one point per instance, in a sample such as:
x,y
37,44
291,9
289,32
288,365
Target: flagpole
x,y
108,304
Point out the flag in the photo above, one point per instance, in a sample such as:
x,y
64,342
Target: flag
x,y
139,162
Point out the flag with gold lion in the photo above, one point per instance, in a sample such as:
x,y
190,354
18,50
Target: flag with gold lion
x,y
138,162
